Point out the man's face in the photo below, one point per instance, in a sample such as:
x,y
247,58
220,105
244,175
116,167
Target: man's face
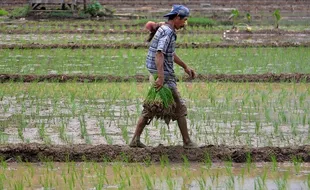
x,y
180,22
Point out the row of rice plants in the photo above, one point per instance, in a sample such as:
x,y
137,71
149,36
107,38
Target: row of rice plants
x,y
219,113
98,38
117,25
165,175
129,62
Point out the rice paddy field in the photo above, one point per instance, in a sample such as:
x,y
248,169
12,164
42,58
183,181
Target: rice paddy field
x,y
71,93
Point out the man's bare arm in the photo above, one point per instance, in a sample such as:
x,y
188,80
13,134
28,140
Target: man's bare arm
x,y
181,63
159,61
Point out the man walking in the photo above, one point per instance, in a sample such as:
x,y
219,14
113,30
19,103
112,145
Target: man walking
x,y
160,61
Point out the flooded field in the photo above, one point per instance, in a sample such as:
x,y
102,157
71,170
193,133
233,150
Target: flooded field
x,y
49,40
120,175
131,62
263,38
252,114
71,93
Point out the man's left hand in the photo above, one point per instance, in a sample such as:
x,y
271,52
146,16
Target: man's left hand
x,y
191,73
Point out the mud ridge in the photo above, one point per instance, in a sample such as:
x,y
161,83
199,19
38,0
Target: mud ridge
x,y
139,32
145,45
267,77
63,153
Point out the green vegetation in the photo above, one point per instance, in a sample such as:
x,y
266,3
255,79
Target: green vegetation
x,y
128,62
277,17
234,15
202,21
87,175
3,12
104,107
94,8
19,12
219,113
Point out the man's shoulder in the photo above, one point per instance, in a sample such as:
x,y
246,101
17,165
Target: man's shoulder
x,y
166,30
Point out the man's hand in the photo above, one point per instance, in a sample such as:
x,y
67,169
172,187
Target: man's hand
x,y
191,73
159,83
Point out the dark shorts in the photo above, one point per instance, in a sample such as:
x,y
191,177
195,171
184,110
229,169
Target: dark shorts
x,y
180,111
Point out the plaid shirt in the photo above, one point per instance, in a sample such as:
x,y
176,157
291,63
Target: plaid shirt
x,y
164,41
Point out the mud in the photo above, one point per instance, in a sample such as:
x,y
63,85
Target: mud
x,y
267,77
145,45
139,32
64,153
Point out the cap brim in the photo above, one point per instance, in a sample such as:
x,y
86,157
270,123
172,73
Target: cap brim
x,y
169,14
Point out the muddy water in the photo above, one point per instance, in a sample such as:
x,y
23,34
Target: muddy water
x,y
280,121
266,38
88,175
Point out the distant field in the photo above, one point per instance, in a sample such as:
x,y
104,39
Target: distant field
x,y
129,62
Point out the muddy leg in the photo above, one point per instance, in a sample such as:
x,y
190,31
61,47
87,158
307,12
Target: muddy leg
x,y
135,142
184,131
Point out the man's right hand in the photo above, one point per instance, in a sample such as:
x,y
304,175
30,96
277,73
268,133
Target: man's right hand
x,y
159,83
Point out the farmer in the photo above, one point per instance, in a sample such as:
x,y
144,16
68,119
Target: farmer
x,y
160,60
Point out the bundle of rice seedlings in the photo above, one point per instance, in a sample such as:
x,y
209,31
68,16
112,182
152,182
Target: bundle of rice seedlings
x,y
160,104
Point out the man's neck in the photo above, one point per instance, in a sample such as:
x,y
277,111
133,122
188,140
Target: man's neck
x,y
171,24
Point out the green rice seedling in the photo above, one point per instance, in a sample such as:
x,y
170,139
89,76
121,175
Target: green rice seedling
x,y
274,163
62,131
101,176
42,134
237,129
148,181
164,161
148,161
202,183
242,172
297,161
171,183
2,179
258,127
20,133
160,103
4,164
294,129
207,160
308,181
228,167
125,134
186,163
128,179
102,128
234,15
277,17
19,185
3,138
124,157
258,184
230,184
83,126
46,181
304,119
282,182
249,163
275,127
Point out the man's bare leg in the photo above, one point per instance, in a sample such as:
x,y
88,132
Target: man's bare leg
x,y
135,142
182,123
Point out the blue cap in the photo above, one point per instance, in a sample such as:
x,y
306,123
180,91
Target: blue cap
x,y
178,9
